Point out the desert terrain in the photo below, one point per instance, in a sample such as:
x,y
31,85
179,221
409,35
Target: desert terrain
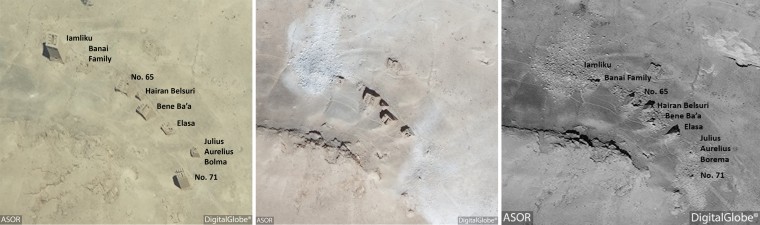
x,y
630,112
376,112
91,129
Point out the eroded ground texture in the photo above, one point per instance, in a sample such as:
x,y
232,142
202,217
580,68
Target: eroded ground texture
x,y
630,112
376,111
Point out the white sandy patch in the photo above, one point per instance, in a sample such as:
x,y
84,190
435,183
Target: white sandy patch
x,y
315,61
732,46
442,178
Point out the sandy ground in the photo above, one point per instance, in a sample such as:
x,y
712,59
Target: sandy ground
x,y
74,150
694,51
566,181
376,112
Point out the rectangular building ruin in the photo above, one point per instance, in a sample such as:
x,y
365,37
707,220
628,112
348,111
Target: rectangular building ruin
x,y
140,96
167,128
146,111
387,117
124,87
383,104
194,152
50,48
370,96
180,180
406,131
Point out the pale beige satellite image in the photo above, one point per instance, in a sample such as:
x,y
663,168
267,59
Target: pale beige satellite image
x,y
125,111
376,111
